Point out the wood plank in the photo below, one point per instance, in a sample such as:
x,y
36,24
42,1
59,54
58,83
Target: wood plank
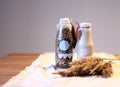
x,y
4,79
12,64
18,57
23,54
15,62
10,70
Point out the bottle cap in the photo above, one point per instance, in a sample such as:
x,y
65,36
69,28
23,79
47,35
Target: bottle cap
x,y
85,25
64,21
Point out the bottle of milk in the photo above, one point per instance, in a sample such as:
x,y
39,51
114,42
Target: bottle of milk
x,y
85,43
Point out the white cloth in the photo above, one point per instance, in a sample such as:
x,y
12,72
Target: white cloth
x,y
36,76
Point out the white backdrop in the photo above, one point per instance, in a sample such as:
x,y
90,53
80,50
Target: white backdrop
x,y
30,25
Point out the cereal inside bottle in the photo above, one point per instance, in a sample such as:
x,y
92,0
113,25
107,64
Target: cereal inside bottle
x,y
65,42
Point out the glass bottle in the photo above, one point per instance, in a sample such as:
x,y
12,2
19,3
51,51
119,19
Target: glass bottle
x,y
65,42
85,45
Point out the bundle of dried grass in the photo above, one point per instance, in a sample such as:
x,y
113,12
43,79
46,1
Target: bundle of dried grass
x,y
117,56
87,67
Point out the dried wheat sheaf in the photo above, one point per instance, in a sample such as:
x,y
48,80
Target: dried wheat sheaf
x,y
88,66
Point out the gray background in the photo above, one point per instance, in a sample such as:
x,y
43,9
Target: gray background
x,y
29,26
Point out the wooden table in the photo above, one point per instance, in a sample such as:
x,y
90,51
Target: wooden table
x,y
12,64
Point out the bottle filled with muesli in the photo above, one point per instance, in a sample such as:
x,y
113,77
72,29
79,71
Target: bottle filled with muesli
x,y
65,43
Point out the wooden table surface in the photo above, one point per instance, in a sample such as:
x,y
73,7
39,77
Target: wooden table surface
x,y
12,64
